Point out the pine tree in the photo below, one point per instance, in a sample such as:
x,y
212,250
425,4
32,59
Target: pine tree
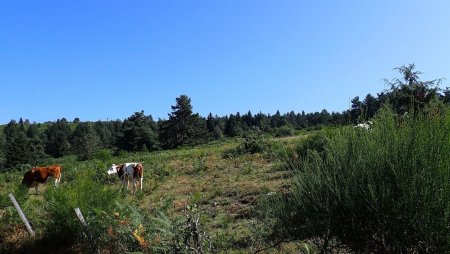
x,y
262,122
324,117
370,106
183,127
410,90
276,120
210,123
2,149
232,127
138,133
16,145
104,133
35,145
57,140
248,121
85,141
356,110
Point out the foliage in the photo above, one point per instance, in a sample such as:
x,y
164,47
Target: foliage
x,y
35,146
16,144
284,131
315,143
108,132
57,138
250,145
21,146
85,141
93,200
183,127
138,133
380,191
410,92
182,234
111,222
233,126
2,149
103,155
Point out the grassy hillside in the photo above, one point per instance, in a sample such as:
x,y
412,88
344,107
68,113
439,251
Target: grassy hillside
x,y
219,183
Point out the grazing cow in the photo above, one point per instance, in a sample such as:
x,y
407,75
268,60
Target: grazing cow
x,y
37,175
126,171
365,126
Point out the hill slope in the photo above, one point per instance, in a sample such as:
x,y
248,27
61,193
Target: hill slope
x,y
219,183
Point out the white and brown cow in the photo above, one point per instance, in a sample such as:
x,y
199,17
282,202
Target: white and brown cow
x,y
128,171
37,175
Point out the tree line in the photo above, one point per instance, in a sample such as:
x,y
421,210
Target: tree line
x,y
22,142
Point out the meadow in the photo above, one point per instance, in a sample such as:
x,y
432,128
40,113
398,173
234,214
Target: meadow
x,y
217,184
335,190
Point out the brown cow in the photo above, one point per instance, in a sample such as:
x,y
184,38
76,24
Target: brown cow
x,y
128,171
37,175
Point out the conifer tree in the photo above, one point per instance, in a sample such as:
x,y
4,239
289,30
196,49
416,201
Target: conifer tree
x,y
233,126
85,141
57,140
138,133
16,145
410,90
35,145
248,120
104,133
210,123
2,149
183,127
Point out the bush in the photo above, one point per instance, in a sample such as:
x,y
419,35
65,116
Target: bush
x,y
111,220
386,190
316,143
93,200
183,234
103,155
284,131
250,145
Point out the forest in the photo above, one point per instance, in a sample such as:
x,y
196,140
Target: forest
x,y
22,142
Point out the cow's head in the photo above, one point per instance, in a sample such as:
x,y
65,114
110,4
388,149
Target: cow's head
x,y
112,169
28,178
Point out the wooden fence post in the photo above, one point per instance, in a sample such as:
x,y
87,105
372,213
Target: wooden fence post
x,y
80,217
85,226
22,215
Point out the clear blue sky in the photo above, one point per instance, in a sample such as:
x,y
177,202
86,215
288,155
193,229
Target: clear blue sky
x,y
108,59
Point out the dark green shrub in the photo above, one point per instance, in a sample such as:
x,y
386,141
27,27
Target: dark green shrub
x,y
284,131
103,155
316,142
386,190
250,145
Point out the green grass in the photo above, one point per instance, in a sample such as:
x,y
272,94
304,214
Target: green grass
x,y
224,192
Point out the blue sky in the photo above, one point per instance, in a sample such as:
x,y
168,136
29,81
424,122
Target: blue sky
x,y
100,60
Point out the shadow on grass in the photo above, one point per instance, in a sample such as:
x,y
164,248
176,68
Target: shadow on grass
x,y
57,243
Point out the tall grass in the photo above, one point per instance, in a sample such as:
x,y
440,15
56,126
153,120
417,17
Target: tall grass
x,y
386,190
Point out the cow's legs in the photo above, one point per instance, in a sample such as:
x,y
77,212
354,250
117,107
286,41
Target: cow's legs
x,y
124,183
36,188
141,182
57,180
134,185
